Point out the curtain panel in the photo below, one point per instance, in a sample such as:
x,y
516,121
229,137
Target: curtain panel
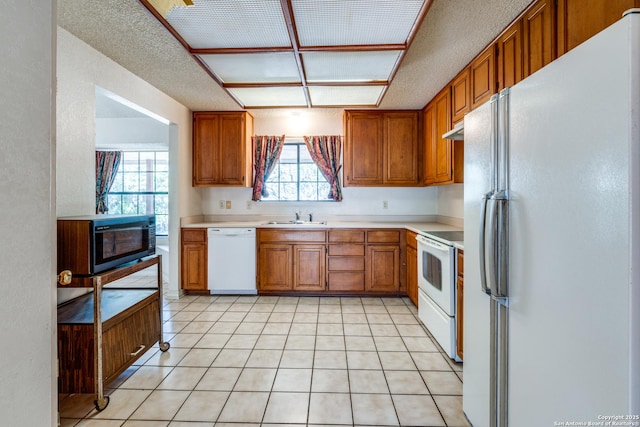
x,y
267,151
107,163
325,152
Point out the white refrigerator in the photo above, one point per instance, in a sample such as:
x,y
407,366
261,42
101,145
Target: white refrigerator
x,y
552,241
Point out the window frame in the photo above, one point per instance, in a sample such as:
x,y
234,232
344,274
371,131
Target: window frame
x,y
321,179
121,194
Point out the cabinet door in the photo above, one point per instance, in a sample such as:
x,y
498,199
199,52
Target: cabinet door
x,y
363,148
429,144
412,275
460,96
309,267
194,267
510,56
539,36
383,268
206,128
401,148
483,77
578,20
443,147
232,149
275,267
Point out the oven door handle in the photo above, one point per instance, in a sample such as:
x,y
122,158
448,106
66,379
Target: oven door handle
x,y
432,243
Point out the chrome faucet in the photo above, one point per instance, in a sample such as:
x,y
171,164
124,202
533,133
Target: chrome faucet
x,y
297,215
310,216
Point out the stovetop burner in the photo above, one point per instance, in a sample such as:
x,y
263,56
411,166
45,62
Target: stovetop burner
x,y
451,236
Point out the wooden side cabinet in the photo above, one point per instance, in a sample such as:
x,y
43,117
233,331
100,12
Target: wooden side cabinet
x,y
222,149
412,267
193,259
460,304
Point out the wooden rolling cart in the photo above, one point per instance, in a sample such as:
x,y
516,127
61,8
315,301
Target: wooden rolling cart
x,y
102,333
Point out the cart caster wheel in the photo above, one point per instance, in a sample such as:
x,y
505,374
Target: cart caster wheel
x,y
164,346
101,404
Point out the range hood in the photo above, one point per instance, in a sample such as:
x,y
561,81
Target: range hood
x,y
457,133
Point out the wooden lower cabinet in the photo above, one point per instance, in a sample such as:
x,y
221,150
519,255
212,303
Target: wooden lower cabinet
x,y
383,268
275,267
193,260
309,268
338,261
460,304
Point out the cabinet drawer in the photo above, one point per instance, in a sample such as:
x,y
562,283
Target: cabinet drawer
x,y
346,281
383,236
194,235
460,262
349,263
293,236
346,236
353,250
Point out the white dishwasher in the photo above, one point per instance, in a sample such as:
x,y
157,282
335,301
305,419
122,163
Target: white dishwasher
x,y
232,261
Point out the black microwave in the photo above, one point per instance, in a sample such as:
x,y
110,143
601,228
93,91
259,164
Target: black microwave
x,y
88,245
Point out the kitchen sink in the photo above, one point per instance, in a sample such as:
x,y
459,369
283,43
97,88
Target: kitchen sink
x,y
296,223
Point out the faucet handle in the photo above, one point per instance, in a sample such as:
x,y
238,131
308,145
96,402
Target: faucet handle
x,y
310,216
297,215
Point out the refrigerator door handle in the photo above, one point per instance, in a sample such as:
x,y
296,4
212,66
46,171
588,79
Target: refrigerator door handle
x,y
492,258
483,243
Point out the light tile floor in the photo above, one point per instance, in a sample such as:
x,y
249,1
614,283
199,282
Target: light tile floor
x,y
299,361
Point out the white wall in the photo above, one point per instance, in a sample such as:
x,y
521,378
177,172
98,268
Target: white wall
x,y
357,200
80,69
28,395
451,200
131,134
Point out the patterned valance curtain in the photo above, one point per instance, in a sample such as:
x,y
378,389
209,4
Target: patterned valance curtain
x,y
267,151
107,163
325,152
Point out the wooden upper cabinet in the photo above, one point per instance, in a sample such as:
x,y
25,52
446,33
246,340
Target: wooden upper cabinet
x,y
363,148
510,56
539,36
443,157
483,76
381,148
401,148
222,149
460,96
579,20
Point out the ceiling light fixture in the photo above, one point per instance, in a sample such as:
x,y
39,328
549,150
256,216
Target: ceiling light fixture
x,y
296,53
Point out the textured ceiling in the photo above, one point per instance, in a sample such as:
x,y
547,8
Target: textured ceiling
x,y
452,33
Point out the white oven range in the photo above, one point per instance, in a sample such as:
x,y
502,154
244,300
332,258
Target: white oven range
x,y
437,286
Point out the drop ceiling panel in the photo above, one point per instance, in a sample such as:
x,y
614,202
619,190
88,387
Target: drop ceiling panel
x,y
344,95
278,67
231,24
270,96
354,22
350,66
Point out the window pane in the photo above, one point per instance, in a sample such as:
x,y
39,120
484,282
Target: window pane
x,y
130,161
274,176
147,160
145,181
323,190
288,173
162,161
117,182
305,156
162,181
289,154
272,189
131,182
162,224
113,202
288,191
308,191
130,204
145,204
162,204
308,172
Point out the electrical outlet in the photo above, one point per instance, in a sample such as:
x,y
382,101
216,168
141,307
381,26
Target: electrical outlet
x,y
221,204
385,204
228,204
249,204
